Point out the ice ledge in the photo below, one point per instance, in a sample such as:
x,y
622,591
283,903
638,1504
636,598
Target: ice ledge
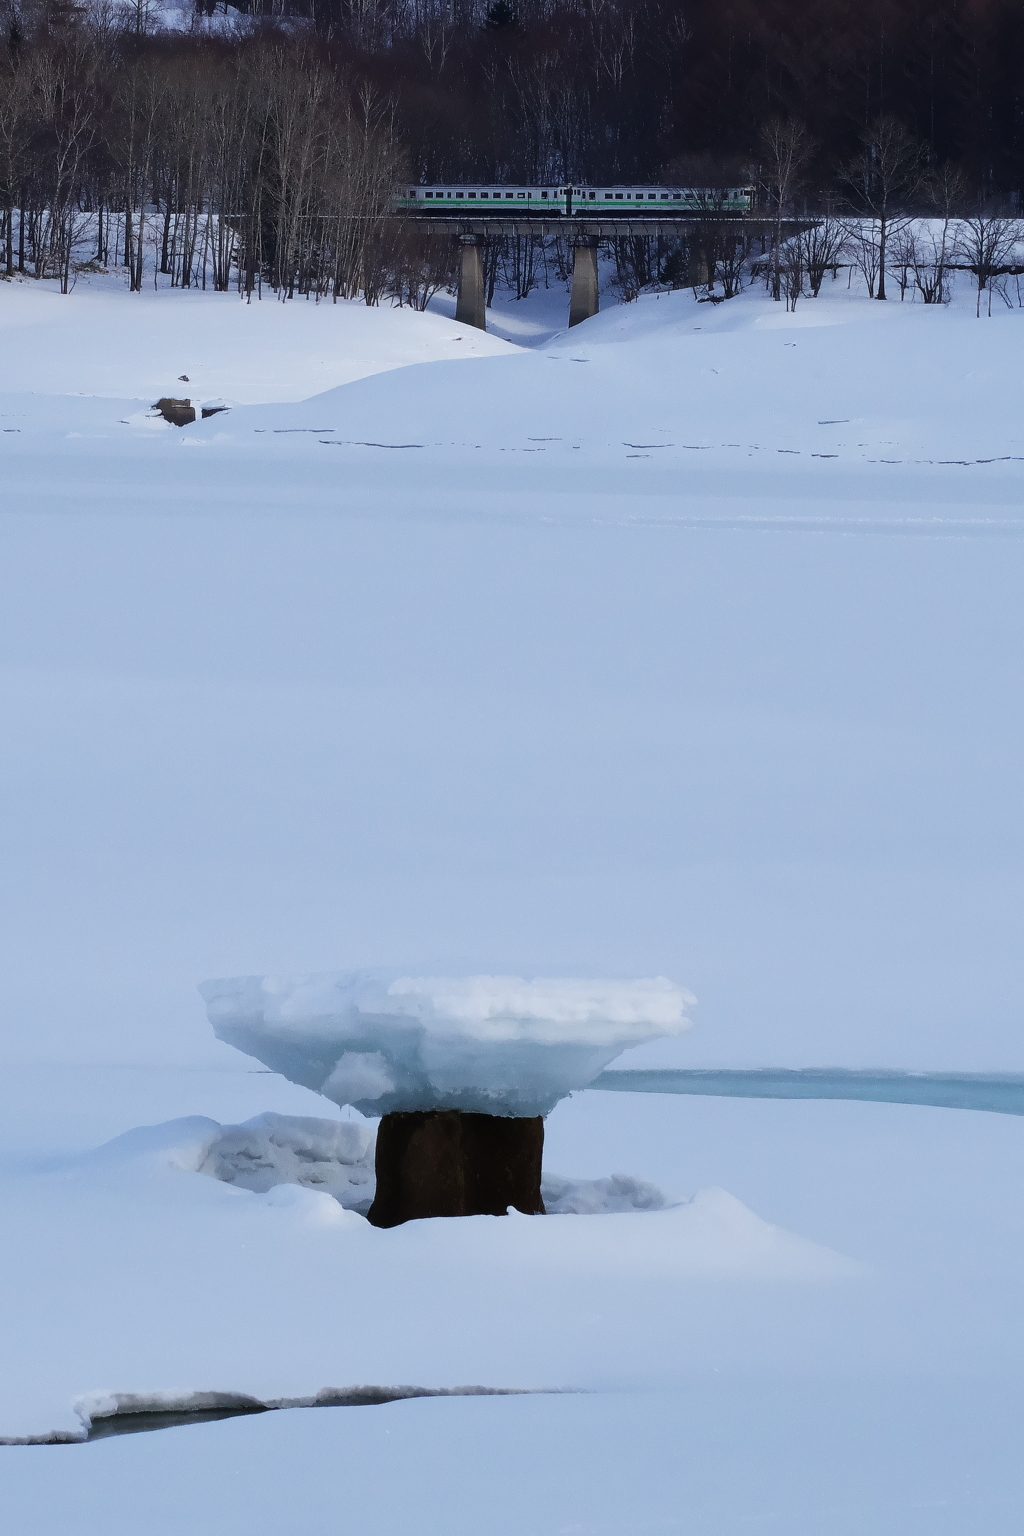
x,y
499,1045
103,1414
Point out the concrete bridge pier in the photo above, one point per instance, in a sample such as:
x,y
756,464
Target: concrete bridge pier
x,y
697,265
584,300
471,305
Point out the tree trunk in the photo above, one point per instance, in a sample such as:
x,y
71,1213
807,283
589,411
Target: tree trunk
x,y
165,244
446,1163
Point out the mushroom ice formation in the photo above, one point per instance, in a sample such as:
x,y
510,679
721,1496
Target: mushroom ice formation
x,y
494,1045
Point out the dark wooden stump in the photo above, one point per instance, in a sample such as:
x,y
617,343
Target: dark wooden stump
x,y
442,1162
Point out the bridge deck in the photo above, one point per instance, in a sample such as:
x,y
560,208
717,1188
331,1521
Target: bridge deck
x,y
602,229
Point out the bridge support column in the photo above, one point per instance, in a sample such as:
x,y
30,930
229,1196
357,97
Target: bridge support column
x,y
697,266
471,305
584,301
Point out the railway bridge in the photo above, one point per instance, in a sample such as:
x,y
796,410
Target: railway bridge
x,y
584,236
473,216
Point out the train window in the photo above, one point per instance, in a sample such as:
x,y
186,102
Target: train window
x,y
618,197
520,194
651,196
592,196
428,194
472,194
676,196
664,197
543,194
460,194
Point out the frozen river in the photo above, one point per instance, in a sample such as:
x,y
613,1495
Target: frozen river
x,y
1000,1092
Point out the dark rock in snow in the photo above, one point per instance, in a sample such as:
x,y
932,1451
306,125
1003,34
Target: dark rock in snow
x,y
180,413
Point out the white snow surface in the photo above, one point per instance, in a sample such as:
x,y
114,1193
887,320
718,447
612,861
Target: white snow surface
x,y
491,1044
102,341
648,661
135,1276
685,645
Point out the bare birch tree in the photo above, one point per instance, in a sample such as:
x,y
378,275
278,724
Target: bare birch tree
x,y
885,178
786,148
988,241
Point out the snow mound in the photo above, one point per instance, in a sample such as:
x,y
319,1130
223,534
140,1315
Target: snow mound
x,y
336,1157
333,1157
600,1197
271,1152
498,1045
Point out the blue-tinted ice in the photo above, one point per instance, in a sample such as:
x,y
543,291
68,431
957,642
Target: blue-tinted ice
x,y
497,1045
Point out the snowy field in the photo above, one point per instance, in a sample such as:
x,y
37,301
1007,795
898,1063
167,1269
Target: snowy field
x,y
443,650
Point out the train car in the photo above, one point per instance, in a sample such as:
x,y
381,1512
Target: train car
x,y
481,200
638,202
578,202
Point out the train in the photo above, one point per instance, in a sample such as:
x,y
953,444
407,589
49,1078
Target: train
x,y
573,202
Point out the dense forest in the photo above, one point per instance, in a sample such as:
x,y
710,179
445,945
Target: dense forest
x,y
263,147
620,89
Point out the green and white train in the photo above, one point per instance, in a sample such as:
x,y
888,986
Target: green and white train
x,y
573,202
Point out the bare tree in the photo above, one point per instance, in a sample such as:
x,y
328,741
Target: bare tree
x,y
421,267
936,251
902,256
861,240
812,251
519,254
987,243
792,271
66,82
19,115
885,178
933,245
823,244
635,264
786,148
139,101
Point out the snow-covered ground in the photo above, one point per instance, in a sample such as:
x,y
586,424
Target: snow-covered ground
x,y
596,678
100,340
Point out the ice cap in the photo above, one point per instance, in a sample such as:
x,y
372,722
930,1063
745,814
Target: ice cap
x,y
499,1045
